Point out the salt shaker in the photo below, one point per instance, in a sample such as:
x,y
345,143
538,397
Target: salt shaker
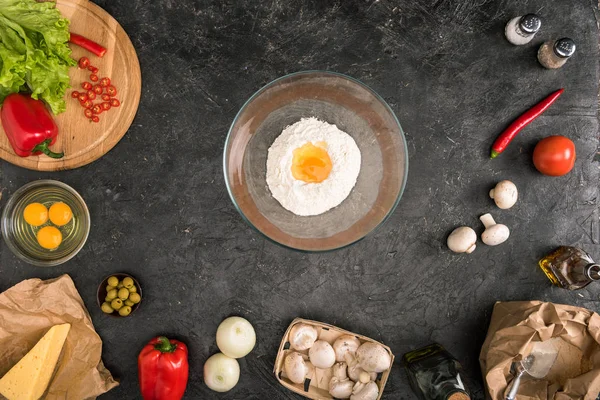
x,y
555,53
520,30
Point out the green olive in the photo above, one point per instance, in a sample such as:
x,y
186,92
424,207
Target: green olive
x,y
109,288
113,281
128,303
116,304
125,311
111,295
127,282
135,297
120,285
123,293
132,289
106,308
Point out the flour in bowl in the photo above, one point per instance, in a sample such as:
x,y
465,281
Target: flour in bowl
x,y
312,167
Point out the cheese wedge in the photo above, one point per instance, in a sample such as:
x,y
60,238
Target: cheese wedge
x,y
29,378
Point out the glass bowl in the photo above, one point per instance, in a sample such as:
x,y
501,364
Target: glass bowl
x,y
101,293
20,237
352,107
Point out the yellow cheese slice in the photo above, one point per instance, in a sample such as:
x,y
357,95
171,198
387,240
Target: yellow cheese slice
x,y
29,378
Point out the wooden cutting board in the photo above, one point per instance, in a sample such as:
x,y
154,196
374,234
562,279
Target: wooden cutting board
x,y
81,140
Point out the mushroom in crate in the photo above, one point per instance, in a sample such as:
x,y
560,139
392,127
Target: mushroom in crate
x,y
321,361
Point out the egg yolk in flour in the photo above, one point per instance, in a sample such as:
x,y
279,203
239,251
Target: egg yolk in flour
x,y
311,163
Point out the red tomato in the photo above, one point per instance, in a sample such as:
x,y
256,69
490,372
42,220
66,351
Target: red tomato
x,y
94,78
88,113
95,118
75,94
84,62
115,102
105,106
86,85
97,109
105,82
554,155
111,91
98,89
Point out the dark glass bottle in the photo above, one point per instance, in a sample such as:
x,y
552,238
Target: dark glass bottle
x,y
570,268
434,374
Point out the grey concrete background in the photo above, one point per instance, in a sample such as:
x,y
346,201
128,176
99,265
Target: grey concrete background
x,y
161,212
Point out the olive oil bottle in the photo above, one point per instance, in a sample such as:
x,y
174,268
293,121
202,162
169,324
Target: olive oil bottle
x,y
570,268
434,374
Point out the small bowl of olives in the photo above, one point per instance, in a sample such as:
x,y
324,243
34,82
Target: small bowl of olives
x,y
119,295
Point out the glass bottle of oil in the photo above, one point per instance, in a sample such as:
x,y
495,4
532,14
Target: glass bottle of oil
x,y
434,374
570,268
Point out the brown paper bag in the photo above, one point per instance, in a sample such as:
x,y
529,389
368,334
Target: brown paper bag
x,y
574,331
28,310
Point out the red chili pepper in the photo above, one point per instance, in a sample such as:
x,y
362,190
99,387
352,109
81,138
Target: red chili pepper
x,y
29,126
509,133
87,44
163,369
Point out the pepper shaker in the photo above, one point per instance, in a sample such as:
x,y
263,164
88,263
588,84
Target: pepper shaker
x,y
521,30
555,53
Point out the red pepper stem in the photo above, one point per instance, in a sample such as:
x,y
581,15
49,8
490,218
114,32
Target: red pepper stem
x,y
43,147
164,345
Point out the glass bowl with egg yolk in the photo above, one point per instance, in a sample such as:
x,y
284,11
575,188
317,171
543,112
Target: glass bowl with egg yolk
x,y
353,108
45,223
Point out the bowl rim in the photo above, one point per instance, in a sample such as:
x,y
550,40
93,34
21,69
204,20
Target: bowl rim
x,y
103,284
309,72
10,204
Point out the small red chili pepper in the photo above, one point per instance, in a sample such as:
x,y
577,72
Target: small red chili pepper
x,y
74,94
87,44
98,89
95,118
87,104
105,97
93,69
86,85
97,109
91,95
94,78
30,128
88,113
82,97
84,62
163,369
105,82
105,106
111,91
115,102
525,119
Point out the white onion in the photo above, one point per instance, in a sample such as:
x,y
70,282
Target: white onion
x,y
236,337
221,373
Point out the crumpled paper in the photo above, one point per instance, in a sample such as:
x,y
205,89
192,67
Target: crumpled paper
x,y
575,332
28,310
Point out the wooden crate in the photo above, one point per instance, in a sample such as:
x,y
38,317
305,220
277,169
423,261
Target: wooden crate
x,y
317,387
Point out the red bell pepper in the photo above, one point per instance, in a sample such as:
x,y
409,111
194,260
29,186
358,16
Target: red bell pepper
x,y
163,369
29,126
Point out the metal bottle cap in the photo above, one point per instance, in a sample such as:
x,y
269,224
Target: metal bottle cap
x,y
593,271
530,23
564,47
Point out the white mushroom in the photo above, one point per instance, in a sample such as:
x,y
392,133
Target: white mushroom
x,y
494,233
343,345
462,240
321,354
356,373
365,391
372,357
504,194
302,336
340,386
295,368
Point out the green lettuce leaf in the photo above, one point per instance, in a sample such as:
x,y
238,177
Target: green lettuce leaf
x,y
34,54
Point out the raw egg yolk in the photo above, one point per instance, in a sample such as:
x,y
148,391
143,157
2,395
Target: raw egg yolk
x,y
35,214
60,214
49,237
311,163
